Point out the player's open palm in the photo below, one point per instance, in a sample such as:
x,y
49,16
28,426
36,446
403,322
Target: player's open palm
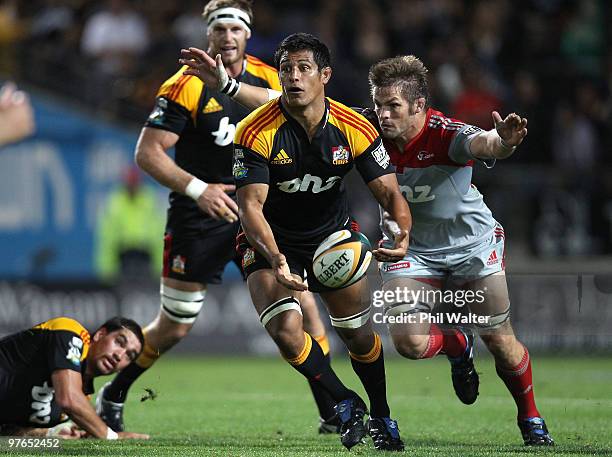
x,y
211,71
283,274
396,253
512,129
72,433
215,202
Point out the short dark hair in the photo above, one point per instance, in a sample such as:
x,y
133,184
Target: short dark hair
x,y
119,322
214,5
304,42
405,72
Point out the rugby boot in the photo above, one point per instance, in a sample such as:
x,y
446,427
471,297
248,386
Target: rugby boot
x,y
329,426
110,412
352,429
385,434
464,376
534,432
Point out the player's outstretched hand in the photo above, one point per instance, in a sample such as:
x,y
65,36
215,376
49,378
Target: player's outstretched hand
x,y
400,245
71,433
283,274
132,436
512,129
397,253
16,114
215,202
211,71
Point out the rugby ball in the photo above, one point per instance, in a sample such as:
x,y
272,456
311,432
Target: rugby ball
x,y
342,259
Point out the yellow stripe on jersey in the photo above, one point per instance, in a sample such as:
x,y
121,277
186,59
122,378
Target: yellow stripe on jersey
x,y
257,130
70,325
357,129
264,71
184,90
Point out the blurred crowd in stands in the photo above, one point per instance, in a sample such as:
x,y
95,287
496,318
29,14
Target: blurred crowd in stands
x,y
549,60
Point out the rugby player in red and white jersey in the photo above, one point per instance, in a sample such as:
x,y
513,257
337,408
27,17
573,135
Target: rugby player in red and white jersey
x,y
454,237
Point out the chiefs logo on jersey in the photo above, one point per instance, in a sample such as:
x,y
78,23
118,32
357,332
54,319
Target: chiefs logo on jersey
x,y
340,155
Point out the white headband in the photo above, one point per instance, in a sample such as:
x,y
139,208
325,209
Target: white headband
x,y
228,15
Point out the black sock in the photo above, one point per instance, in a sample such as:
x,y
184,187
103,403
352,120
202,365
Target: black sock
x,y
371,371
118,389
325,403
316,368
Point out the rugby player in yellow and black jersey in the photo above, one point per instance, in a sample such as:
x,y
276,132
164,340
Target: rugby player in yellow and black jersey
x,y
306,198
47,371
290,157
199,121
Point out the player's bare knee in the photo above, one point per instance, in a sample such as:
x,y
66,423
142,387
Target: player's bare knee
x,y
358,341
289,340
410,346
174,335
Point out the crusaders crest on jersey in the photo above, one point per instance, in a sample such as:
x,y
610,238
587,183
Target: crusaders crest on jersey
x,y
340,155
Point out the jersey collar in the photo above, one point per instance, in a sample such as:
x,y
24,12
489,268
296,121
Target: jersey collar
x,y
298,127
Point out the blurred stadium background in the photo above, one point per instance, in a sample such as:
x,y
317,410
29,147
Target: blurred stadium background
x,y
549,60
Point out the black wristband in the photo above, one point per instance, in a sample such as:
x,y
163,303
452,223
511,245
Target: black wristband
x,y
231,88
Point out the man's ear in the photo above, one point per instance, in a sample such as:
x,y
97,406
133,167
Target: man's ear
x,y
326,75
420,105
101,333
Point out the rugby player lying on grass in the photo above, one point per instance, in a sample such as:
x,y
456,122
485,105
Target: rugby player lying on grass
x,y
47,372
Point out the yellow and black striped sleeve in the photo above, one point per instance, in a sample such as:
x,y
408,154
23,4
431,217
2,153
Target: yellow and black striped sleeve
x,y
176,103
253,144
68,344
371,157
263,71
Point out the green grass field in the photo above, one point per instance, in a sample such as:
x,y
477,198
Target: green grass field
x,y
261,407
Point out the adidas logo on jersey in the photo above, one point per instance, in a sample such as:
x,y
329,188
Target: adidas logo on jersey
x,y
282,158
212,106
492,259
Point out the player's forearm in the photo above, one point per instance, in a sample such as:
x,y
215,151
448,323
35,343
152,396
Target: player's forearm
x,y
253,96
258,231
15,126
154,160
82,413
399,211
489,145
386,191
